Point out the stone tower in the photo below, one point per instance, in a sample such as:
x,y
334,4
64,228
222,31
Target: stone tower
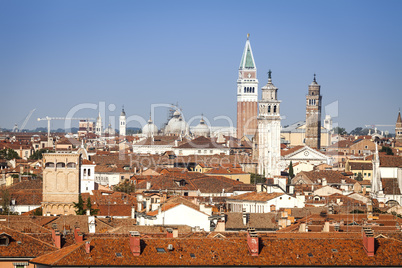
x,y
247,94
269,131
61,183
398,128
122,125
313,115
98,126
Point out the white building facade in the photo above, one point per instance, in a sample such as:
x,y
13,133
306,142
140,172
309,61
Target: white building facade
x,y
269,131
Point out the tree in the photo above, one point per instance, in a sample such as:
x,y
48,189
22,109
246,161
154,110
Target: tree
x,y
38,212
257,178
92,211
387,150
340,131
359,177
79,207
291,174
38,154
125,187
9,154
356,132
5,201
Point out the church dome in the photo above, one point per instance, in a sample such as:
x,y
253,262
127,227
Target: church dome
x,y
176,126
201,129
110,131
150,129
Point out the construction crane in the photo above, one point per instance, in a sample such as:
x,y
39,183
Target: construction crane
x,y
58,118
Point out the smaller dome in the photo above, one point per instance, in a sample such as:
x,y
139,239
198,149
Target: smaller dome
x,y
201,129
150,129
110,130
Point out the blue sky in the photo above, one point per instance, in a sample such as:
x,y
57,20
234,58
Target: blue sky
x,y
55,55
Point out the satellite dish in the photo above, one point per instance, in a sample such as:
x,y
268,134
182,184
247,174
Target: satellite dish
x,y
386,132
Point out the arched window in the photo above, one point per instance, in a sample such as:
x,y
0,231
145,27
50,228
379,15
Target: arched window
x,y
253,89
49,165
89,172
60,165
71,165
244,89
275,109
269,109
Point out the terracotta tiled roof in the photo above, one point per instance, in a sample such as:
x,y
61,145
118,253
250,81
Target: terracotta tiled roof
x,y
22,245
390,186
360,166
287,250
254,196
390,161
259,221
291,150
201,142
332,177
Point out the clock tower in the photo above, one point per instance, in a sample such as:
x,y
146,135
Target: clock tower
x,y
269,131
247,94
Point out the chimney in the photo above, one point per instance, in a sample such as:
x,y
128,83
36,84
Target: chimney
x,y
326,227
88,212
148,185
324,182
139,206
368,241
132,212
253,242
303,228
244,219
57,239
220,226
176,143
169,233
77,235
87,247
175,233
135,243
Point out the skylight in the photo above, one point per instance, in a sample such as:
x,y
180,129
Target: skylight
x,y
160,250
192,255
118,254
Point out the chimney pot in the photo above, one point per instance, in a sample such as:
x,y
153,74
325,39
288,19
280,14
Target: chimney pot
x,y
88,247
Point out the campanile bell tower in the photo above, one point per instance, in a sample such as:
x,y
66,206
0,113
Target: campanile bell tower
x,y
247,93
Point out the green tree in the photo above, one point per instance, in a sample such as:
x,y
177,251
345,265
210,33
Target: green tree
x,y
359,177
9,154
5,201
340,131
387,150
125,187
38,154
79,207
257,178
291,172
92,211
38,212
357,131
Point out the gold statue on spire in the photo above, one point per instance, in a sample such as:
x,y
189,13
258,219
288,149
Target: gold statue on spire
x,y
248,36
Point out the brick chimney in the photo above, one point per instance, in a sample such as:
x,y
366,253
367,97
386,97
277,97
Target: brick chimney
x,y
169,233
78,235
87,247
253,242
135,243
57,239
368,241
